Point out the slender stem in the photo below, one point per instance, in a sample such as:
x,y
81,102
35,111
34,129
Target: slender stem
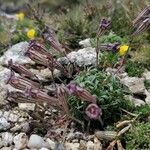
x,y
52,72
97,52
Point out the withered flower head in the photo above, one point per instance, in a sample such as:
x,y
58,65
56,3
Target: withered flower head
x,y
93,111
142,22
111,47
22,70
38,47
103,26
41,96
20,97
20,82
37,57
72,88
81,93
50,37
142,15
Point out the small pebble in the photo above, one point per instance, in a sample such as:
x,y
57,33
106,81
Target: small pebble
x,y
4,125
51,144
20,141
36,141
90,145
7,138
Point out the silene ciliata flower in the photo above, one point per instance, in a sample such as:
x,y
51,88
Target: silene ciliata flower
x,y
103,26
93,111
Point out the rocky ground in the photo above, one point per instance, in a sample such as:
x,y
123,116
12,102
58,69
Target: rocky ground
x,y
20,123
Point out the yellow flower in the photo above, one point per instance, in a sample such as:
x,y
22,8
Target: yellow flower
x,y
31,33
20,16
123,50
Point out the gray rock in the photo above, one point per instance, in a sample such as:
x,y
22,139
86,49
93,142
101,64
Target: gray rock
x,y
51,144
135,85
16,53
20,141
7,138
83,57
45,74
147,100
4,124
6,148
90,145
4,75
24,127
13,117
43,149
37,142
146,75
97,144
71,146
26,106
85,43
136,102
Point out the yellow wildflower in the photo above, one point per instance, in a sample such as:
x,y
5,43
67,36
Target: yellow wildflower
x,y
31,33
20,16
123,50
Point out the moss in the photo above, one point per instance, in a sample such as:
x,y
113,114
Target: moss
x,y
134,68
138,137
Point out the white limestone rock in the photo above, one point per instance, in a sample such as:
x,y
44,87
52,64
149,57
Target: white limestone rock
x,y
20,141
135,84
4,124
7,138
82,57
36,141
16,53
26,106
85,43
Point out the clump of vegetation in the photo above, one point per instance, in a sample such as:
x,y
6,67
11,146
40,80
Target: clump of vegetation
x,y
74,28
109,92
142,55
134,68
147,84
138,137
108,59
23,25
110,38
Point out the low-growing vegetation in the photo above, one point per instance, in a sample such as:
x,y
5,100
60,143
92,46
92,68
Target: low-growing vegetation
x,y
89,98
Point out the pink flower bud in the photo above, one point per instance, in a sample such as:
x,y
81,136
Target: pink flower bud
x,y
72,88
